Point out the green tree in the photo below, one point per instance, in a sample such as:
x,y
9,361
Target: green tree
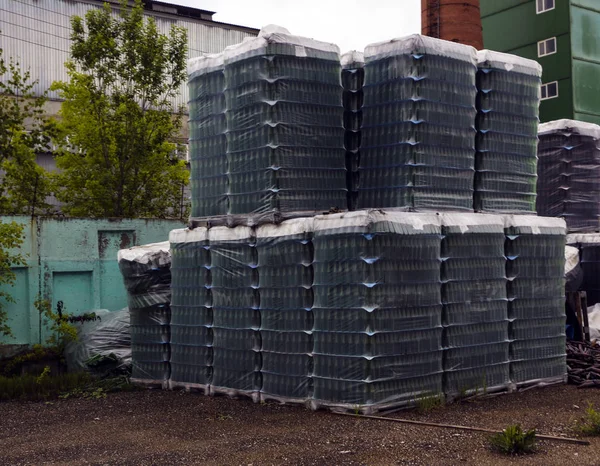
x,y
11,238
118,123
24,184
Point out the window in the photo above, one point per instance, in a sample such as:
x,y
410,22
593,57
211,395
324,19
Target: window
x,y
550,90
544,5
547,47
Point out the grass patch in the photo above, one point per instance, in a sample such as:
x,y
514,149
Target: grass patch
x,y
590,424
429,401
41,387
46,386
514,441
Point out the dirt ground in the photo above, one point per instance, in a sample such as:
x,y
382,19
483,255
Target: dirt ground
x,y
154,427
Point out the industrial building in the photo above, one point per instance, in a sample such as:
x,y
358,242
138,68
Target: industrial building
x,y
564,37
36,33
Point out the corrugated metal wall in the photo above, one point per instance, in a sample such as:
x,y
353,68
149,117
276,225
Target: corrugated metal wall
x,y
36,34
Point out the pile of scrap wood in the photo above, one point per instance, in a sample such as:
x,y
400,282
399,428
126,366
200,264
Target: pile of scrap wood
x,y
583,364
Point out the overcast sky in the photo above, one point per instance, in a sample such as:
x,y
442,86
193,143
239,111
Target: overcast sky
x,y
351,24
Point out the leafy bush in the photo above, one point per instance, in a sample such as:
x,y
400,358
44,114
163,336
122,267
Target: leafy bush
x,y
590,424
11,239
514,441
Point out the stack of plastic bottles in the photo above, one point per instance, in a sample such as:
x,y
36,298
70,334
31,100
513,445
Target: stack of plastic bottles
x,y
366,309
369,308
588,245
377,308
284,125
146,273
235,308
353,79
569,173
418,131
535,270
285,258
475,304
508,100
208,138
191,309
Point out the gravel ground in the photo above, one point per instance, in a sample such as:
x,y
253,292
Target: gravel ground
x,y
156,427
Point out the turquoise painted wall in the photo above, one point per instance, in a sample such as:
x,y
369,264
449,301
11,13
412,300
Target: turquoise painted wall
x,y
74,261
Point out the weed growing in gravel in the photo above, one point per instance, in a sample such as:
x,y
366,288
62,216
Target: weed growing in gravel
x,y
223,417
514,441
71,385
590,424
36,388
43,376
429,401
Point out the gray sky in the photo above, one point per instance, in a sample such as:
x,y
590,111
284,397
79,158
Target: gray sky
x,y
351,24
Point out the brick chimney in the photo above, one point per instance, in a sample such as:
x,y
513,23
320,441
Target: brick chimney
x,y
454,20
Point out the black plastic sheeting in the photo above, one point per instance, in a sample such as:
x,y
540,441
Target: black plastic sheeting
x,y
535,270
283,125
569,173
588,245
146,273
508,98
418,130
368,308
353,79
103,346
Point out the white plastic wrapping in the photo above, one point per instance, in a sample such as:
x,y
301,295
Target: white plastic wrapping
x,y
588,247
508,62
146,273
272,35
417,137
573,270
581,128
418,44
352,59
205,63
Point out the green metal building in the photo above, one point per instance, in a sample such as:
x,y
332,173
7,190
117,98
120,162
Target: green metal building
x,y
564,37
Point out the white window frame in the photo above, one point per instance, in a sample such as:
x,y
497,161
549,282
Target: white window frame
x,y
539,10
546,86
544,42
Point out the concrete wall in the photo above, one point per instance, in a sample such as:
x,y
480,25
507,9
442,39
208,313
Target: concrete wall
x,y
74,261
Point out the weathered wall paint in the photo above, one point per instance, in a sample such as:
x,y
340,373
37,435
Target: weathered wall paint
x,y
74,261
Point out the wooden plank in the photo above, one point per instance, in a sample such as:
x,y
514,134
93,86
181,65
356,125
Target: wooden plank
x,y
579,313
472,429
584,312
